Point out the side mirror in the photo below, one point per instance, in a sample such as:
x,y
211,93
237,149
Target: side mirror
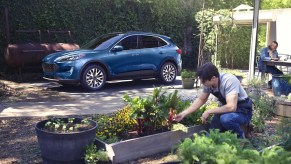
x,y
117,48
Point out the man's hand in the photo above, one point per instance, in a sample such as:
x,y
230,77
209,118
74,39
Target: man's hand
x,y
179,117
204,117
193,107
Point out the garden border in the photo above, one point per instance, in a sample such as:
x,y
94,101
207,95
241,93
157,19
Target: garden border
x,y
148,145
283,108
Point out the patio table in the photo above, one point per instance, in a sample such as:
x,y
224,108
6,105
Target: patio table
x,y
273,63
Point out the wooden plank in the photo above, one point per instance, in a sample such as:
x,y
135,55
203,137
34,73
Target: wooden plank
x,y
148,145
284,109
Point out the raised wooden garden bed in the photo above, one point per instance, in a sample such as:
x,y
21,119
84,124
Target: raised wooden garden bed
x,y
143,146
284,108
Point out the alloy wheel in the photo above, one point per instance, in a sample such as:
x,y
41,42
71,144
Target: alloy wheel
x,y
95,78
169,73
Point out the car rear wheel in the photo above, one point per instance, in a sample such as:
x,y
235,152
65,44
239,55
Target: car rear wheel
x,y
93,78
168,73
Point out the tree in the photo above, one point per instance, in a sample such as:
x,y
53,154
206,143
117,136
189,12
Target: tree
x,y
275,4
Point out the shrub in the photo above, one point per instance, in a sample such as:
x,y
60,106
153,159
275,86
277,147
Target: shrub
x,y
226,148
263,105
93,155
115,126
187,74
145,116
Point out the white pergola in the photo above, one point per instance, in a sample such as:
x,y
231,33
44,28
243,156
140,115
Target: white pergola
x,y
278,24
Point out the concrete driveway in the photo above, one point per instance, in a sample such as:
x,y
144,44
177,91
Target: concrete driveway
x,y
107,100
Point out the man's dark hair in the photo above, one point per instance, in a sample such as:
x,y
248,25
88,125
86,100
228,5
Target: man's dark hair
x,y
275,42
207,71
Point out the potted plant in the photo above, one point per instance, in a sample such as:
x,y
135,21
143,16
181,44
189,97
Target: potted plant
x,y
63,140
188,79
281,84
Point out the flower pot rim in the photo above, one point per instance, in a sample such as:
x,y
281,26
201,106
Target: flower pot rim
x,y
69,133
188,78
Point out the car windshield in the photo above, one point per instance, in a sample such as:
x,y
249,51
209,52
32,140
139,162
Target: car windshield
x,y
102,42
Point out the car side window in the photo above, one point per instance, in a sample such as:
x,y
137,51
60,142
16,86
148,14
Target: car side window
x,y
151,42
129,43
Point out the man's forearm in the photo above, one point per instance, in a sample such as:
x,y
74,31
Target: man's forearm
x,y
220,110
194,106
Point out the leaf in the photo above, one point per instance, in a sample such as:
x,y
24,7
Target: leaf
x,y
179,126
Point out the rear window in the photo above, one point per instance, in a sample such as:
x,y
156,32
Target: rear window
x,y
151,42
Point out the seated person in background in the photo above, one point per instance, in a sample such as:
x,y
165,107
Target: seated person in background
x,y
270,51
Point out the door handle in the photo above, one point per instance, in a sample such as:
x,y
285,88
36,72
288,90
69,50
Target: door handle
x,y
134,54
162,52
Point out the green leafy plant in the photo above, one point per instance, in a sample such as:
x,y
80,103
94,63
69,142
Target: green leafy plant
x,y
283,130
195,118
287,77
93,155
263,105
142,116
154,113
66,125
187,74
115,126
215,147
275,154
235,72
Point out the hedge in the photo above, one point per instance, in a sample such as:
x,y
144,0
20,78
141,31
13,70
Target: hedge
x,y
87,19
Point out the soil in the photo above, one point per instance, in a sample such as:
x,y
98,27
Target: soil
x,y
28,92
18,142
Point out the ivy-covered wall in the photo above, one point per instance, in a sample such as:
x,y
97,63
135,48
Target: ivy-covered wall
x,y
87,19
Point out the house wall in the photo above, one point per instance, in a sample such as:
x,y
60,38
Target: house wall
x,y
283,32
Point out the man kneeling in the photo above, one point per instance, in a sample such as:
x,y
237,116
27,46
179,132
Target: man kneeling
x,y
236,109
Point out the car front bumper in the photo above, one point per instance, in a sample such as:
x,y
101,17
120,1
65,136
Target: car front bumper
x,y
60,72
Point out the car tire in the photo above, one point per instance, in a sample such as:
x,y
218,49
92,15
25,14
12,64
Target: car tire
x,y
168,73
93,78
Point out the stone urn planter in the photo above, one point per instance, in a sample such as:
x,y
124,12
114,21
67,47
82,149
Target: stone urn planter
x,y
67,146
188,79
188,83
143,146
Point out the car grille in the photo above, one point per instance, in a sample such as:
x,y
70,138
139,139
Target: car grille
x,y
48,67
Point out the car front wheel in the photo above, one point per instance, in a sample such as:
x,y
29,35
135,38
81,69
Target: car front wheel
x,y
93,78
168,73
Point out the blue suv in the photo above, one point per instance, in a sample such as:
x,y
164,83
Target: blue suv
x,y
131,55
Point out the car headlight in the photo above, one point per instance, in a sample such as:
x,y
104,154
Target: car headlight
x,y
70,57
